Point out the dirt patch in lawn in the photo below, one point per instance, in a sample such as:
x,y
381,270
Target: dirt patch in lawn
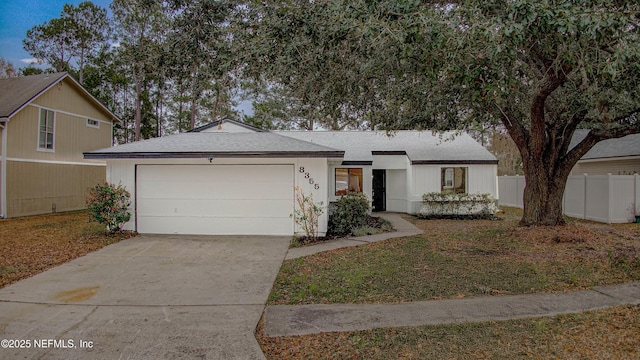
x,y
33,244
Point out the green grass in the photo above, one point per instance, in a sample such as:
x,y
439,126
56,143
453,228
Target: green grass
x,y
463,259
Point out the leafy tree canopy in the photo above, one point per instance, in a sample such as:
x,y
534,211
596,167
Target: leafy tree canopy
x,y
542,69
79,33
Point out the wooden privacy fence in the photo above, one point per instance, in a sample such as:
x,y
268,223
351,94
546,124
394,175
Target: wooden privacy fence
x,y
603,198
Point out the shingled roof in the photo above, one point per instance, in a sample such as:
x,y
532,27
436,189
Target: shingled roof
x,y
421,147
208,144
16,93
612,148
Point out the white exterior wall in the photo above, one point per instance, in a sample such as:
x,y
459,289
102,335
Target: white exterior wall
x,y
406,183
390,162
123,172
481,179
397,190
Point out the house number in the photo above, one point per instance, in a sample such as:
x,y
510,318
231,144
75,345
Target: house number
x,y
308,176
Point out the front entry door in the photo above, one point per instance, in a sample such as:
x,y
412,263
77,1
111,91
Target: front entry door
x,y
379,190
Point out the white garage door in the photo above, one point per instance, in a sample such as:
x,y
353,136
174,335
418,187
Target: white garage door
x,y
215,199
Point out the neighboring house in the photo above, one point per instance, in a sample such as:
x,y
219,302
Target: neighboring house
x,y
614,156
47,121
230,178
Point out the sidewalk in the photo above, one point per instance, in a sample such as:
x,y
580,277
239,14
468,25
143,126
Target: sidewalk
x,y
288,320
403,228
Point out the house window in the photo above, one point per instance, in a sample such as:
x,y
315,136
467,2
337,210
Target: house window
x,y
93,123
45,130
454,180
348,180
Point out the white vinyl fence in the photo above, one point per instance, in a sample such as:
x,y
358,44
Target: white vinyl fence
x,y
604,198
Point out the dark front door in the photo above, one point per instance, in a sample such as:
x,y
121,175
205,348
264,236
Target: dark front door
x,y
379,190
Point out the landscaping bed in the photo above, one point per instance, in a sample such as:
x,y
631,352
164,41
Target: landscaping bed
x,y
33,244
374,225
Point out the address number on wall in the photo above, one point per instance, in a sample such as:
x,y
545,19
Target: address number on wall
x,y
307,176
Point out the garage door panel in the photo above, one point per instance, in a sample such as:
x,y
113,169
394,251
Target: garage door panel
x,y
223,190
215,199
216,226
215,208
216,173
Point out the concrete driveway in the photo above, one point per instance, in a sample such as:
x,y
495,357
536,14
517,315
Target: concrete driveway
x,y
150,297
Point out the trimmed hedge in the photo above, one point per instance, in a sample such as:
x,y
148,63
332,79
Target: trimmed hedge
x,y
440,205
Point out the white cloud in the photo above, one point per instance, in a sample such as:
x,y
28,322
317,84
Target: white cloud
x,y
31,61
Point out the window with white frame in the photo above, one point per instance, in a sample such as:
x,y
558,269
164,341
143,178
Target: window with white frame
x,y
45,130
93,123
454,180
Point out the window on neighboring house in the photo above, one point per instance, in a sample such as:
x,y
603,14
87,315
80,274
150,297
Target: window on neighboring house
x,y
45,130
348,180
454,180
93,123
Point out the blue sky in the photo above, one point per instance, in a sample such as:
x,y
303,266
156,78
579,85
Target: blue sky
x,y
18,16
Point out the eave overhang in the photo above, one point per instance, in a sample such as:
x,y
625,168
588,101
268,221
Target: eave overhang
x,y
210,155
454,162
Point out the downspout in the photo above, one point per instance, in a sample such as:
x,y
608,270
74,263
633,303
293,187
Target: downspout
x,y
3,168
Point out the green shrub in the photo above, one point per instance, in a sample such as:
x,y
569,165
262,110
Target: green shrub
x,y
108,204
444,205
348,213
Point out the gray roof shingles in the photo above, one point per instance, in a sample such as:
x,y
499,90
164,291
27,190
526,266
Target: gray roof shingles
x,y
205,144
420,146
612,148
352,146
19,91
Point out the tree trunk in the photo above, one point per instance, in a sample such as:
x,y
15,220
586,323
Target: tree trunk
x,y
542,198
192,116
81,71
138,109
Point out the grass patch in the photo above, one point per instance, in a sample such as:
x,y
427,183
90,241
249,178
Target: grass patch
x,y
33,244
456,259
604,334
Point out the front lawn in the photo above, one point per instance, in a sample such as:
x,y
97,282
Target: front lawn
x,y
33,244
456,259
604,334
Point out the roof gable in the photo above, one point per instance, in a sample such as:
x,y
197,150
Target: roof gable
x,y
226,125
16,93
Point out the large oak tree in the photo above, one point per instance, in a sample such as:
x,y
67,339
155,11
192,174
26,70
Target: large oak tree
x,y
540,68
